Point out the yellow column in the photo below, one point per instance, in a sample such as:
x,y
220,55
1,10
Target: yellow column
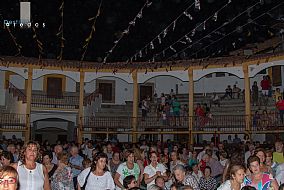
x,y
190,104
135,106
81,106
247,97
28,108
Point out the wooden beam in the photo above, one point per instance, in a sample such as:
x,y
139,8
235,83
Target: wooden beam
x,y
190,104
81,107
135,105
247,97
28,108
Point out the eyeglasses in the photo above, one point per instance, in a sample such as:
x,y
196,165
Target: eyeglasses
x,y
10,180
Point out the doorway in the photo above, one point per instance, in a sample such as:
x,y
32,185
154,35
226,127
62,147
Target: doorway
x,y
54,87
146,90
276,76
107,89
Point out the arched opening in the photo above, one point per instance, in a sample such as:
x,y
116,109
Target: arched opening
x,y
53,129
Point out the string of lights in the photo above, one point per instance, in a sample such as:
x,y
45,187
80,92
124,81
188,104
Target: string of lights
x,y
60,31
93,29
214,31
163,34
127,30
187,37
237,29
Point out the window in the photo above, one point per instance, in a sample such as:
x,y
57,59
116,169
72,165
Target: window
x,y
220,74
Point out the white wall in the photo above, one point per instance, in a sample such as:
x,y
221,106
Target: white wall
x,y
2,88
57,124
70,85
17,81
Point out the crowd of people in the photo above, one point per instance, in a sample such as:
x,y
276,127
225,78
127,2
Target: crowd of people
x,y
152,166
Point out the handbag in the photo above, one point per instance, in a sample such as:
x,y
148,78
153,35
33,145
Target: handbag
x,y
86,180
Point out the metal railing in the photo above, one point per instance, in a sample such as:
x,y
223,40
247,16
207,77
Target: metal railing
x,y
12,122
91,97
47,101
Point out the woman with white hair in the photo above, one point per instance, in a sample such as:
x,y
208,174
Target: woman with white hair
x,y
179,172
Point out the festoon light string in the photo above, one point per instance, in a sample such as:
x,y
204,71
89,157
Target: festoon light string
x,y
185,38
93,29
39,44
237,29
163,33
60,32
215,31
127,30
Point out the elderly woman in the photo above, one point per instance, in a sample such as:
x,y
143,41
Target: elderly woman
x,y
8,178
32,175
258,179
62,178
180,177
237,175
6,158
97,176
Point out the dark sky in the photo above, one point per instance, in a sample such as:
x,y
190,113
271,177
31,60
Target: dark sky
x,y
115,17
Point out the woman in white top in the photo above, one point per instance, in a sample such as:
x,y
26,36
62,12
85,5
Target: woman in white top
x,y
97,176
32,175
154,170
237,175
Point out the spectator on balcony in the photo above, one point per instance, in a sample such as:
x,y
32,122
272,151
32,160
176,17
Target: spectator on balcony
x,y
256,120
176,110
172,93
215,100
184,111
265,120
254,91
228,92
200,113
167,110
163,99
280,107
236,91
277,94
145,108
265,86
278,155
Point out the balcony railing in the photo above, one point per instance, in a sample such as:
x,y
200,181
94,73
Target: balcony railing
x,y
218,123
12,121
47,101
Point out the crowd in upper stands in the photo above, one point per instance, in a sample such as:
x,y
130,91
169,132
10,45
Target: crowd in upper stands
x,y
232,164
